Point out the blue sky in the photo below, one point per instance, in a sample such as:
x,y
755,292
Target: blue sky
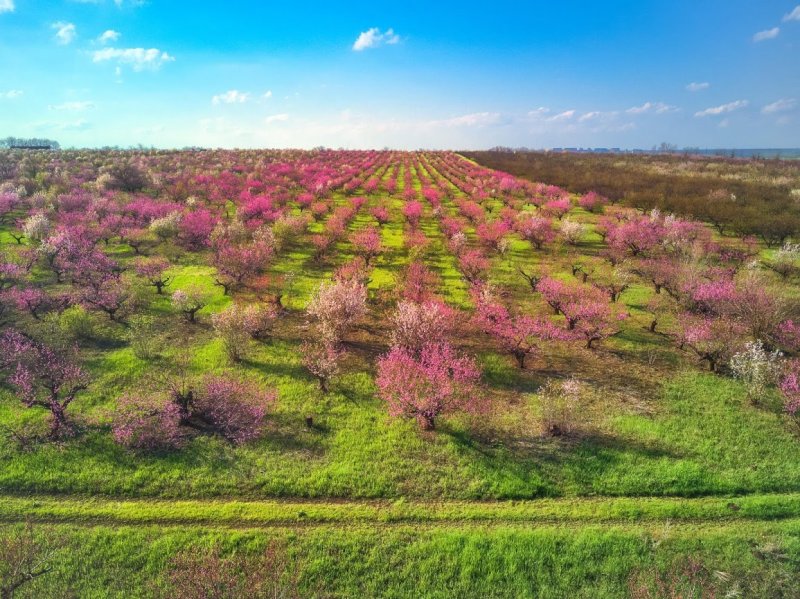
x,y
405,74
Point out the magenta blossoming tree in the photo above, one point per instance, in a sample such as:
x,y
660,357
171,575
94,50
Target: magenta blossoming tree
x,y
713,340
789,386
380,214
42,376
237,265
413,212
36,301
592,202
518,335
474,266
436,382
367,243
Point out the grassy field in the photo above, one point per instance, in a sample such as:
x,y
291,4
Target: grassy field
x,y
671,471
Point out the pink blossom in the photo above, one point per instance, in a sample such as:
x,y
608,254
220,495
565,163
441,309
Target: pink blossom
x,y
437,382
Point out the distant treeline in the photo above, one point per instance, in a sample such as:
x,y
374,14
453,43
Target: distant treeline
x,y
28,142
746,197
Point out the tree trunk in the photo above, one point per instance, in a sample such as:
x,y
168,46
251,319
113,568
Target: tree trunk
x,y
426,422
59,420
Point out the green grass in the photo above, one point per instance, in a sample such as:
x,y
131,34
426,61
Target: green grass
x,y
703,441
668,461
407,561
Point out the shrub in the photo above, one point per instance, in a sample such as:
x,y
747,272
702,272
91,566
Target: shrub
x,y
147,423
234,408
756,368
143,337
166,227
207,574
237,324
77,323
560,407
26,556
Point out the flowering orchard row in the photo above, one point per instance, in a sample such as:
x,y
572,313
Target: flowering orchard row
x,y
107,232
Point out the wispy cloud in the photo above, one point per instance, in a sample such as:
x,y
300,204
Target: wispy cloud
x,y
475,119
233,96
73,106
79,125
652,107
696,87
108,36
782,105
10,94
6,6
372,38
276,118
117,3
267,94
767,34
562,116
538,113
65,32
140,59
722,109
794,15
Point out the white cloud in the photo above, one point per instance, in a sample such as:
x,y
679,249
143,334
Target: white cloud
x,y
6,6
767,34
276,118
655,107
233,96
539,112
372,38
794,15
79,125
475,119
267,94
717,110
65,32
139,58
118,3
10,94
563,116
696,87
108,36
73,106
590,116
782,105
